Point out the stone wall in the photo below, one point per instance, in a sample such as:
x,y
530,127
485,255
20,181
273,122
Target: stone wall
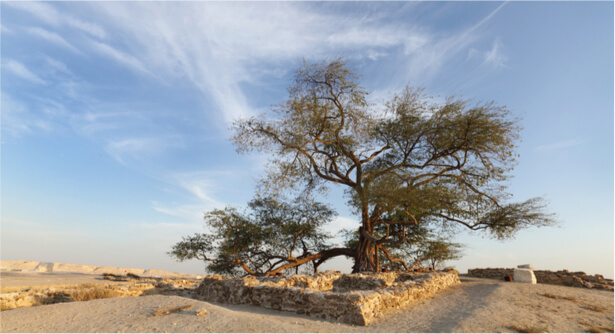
x,y
355,299
560,277
26,296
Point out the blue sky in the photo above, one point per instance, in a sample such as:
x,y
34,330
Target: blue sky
x,y
116,115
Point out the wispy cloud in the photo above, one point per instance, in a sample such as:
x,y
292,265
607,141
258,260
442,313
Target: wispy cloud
x,y
121,57
200,184
495,57
50,15
191,213
559,145
139,147
22,71
4,29
195,41
58,65
224,61
17,119
53,38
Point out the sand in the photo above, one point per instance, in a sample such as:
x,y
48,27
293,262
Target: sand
x,y
476,305
15,281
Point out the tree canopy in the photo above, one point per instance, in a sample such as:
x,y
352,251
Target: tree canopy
x,y
266,239
406,164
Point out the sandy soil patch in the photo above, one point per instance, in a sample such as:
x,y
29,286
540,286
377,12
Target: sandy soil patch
x,y
476,305
14,280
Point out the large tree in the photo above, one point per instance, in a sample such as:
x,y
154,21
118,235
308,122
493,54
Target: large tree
x,y
409,161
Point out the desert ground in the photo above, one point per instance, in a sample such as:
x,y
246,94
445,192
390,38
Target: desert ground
x,y
476,305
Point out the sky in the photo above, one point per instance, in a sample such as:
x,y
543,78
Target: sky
x,y
115,116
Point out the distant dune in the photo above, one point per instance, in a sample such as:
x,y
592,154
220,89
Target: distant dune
x,y
34,266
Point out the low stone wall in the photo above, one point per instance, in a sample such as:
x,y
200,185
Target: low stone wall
x,y
355,299
560,277
27,297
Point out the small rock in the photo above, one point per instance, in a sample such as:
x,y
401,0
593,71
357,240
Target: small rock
x,y
201,312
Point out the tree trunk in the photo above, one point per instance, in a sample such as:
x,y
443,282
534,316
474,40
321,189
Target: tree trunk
x,y
365,259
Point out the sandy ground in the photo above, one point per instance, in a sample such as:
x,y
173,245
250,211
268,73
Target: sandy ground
x,y
13,281
477,305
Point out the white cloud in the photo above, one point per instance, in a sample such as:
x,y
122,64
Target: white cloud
x,y
225,48
559,145
139,147
191,213
375,55
90,28
201,184
53,38
495,57
366,36
217,45
50,15
17,118
58,65
5,30
22,71
119,56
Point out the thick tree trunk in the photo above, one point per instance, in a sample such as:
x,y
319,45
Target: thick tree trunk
x,y
366,259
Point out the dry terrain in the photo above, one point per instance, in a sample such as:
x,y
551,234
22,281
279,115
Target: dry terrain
x,y
476,305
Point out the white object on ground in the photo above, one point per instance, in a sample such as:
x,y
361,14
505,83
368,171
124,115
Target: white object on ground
x,y
526,266
524,276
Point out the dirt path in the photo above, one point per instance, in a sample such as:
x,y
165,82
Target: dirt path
x,y
477,305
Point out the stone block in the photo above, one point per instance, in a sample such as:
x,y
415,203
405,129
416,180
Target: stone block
x,y
526,266
524,276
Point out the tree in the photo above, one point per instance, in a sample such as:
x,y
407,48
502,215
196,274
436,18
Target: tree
x,y
410,162
434,252
271,237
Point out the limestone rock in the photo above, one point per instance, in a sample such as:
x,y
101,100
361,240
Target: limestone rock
x,y
524,276
526,266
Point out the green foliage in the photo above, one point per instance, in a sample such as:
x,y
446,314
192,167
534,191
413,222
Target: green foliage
x,y
437,251
270,234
